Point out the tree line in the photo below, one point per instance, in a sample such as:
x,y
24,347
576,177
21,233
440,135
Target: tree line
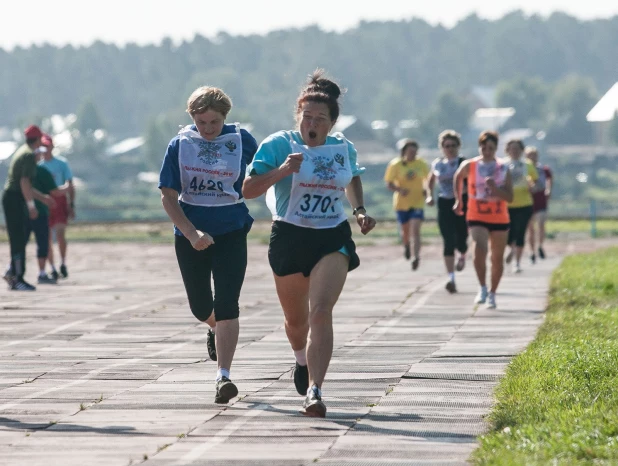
x,y
552,70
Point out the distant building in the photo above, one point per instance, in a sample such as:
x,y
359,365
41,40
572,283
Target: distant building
x,y
371,151
602,115
482,97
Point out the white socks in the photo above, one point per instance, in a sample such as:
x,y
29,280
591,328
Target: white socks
x,y
222,373
301,356
451,276
314,388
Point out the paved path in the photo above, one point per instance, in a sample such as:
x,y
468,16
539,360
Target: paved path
x,y
110,367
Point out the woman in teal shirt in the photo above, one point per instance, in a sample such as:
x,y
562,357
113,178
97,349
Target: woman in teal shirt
x,y
307,173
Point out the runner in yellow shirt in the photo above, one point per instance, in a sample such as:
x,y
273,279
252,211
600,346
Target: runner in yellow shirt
x,y
406,176
524,177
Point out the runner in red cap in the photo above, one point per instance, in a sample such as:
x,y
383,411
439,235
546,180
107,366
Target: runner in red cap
x,y
18,204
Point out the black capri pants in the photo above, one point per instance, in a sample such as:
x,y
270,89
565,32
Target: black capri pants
x,y
40,227
520,216
453,227
226,262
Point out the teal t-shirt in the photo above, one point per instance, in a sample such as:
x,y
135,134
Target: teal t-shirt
x,y
274,150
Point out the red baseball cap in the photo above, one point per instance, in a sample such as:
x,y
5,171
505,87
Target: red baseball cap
x,y
33,132
46,140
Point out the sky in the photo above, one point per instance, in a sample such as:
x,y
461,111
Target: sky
x,y
79,22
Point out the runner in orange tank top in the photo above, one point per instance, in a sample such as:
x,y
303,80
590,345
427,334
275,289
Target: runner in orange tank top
x,y
489,190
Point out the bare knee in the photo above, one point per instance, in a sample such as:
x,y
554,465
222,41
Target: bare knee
x,y
321,315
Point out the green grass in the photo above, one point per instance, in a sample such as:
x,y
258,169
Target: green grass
x,y
558,402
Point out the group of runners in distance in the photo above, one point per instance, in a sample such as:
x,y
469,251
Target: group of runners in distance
x,y
494,201
210,167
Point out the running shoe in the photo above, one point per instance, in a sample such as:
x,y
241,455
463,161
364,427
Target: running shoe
x,y
533,259
63,271
415,263
450,287
226,390
9,278
509,257
491,301
210,345
481,297
541,253
301,379
406,252
21,285
461,263
46,280
55,275
517,268
313,406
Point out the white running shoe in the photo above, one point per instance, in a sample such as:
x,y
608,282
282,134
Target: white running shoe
x,y
481,297
491,301
517,268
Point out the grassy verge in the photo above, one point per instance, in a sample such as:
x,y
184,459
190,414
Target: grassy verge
x,y
558,403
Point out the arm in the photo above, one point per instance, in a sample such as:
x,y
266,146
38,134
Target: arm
x,y
549,184
431,183
256,185
354,193
28,192
198,239
460,175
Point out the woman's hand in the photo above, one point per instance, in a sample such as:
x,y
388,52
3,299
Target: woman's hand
x,y
201,240
365,222
292,163
458,208
430,201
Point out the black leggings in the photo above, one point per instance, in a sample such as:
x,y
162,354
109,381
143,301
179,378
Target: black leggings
x,y
16,216
226,260
40,227
453,227
520,216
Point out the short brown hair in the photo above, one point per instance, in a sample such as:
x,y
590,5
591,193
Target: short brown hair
x,y
449,134
209,98
405,143
488,136
515,141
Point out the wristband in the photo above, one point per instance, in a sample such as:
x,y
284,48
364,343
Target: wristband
x,y
360,207
30,204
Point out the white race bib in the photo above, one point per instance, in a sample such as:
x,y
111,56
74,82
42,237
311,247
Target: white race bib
x,y
318,189
209,169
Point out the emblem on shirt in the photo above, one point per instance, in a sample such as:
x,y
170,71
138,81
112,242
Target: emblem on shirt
x,y
231,146
410,175
209,152
324,168
339,159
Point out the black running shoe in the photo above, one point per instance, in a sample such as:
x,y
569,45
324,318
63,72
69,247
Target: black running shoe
x,y
9,278
450,287
63,271
415,263
46,280
301,379
541,253
226,390
20,285
210,345
313,405
55,275
406,251
533,258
